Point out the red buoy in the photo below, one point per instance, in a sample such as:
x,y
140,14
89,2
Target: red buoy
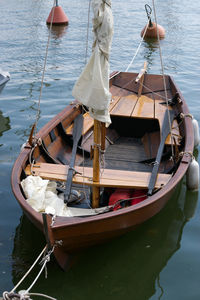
x,y
59,16
151,31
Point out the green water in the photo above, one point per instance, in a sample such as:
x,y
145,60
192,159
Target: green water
x,y
160,260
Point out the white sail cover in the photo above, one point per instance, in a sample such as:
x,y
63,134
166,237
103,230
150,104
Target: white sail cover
x,y
92,87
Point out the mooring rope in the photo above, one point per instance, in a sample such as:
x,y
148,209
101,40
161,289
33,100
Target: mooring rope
x,y
138,48
25,295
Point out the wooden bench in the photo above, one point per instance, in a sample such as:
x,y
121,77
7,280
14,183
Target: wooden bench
x,y
88,122
109,177
132,106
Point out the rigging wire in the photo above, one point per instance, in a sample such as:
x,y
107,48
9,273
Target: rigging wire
x,y
44,67
83,110
163,75
87,36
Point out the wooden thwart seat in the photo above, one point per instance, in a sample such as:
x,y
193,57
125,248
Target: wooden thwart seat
x,y
109,178
88,122
131,106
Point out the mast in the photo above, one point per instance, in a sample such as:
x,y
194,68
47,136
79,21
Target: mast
x,y
92,87
96,165
99,145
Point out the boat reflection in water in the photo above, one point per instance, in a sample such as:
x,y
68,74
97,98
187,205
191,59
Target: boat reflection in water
x,y
128,266
4,123
4,78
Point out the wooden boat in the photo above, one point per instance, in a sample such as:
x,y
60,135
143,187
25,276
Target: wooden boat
x,y
137,161
133,146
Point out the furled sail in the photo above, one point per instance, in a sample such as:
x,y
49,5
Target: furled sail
x,y
92,87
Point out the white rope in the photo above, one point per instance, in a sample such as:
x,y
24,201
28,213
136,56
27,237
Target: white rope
x,y
138,48
45,260
136,52
41,295
29,270
23,295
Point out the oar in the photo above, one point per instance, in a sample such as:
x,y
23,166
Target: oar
x,y
165,131
77,131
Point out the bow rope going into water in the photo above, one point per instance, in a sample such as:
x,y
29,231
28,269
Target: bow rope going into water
x,y
25,294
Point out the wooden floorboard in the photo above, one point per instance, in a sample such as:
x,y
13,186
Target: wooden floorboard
x,y
124,106
125,154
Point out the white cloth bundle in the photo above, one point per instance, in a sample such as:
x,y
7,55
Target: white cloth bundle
x,y
42,196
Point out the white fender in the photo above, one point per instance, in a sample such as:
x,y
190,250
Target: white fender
x,y
196,132
192,175
22,146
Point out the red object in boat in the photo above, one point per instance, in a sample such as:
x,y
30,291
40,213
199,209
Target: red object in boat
x,y
123,194
119,194
139,196
59,17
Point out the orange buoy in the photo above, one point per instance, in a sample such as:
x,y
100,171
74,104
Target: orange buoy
x,y
59,16
151,31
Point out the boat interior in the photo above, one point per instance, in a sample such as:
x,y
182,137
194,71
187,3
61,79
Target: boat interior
x,y
131,141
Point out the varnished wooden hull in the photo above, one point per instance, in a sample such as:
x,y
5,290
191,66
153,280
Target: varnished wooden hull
x,y
78,233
